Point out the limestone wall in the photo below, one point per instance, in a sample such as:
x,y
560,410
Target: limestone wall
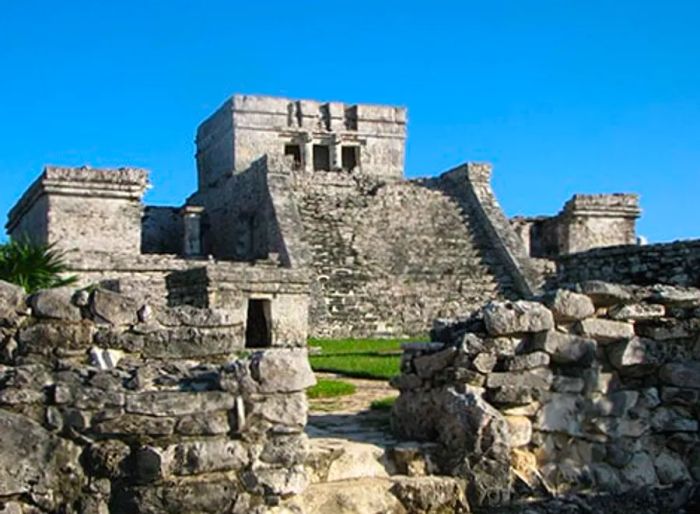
x,y
110,406
669,263
387,257
597,390
83,208
585,222
248,127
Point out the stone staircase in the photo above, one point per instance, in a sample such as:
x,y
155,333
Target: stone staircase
x,y
390,258
351,477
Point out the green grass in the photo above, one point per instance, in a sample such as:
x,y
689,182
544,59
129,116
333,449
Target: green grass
x,y
361,358
326,388
383,403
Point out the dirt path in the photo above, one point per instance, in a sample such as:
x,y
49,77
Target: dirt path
x,y
350,417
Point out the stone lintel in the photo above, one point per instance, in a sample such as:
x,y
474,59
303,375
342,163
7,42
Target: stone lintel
x,y
623,205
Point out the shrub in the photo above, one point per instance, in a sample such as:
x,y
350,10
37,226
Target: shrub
x,y
33,266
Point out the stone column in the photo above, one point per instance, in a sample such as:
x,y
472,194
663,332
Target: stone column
x,y
192,230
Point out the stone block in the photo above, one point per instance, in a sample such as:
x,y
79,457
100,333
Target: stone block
x,y
616,404
527,361
163,404
282,370
673,419
562,413
287,412
637,312
605,294
212,423
636,356
484,362
134,424
568,306
520,430
670,468
55,304
427,365
564,384
565,348
508,318
681,374
12,303
539,379
207,456
113,308
640,471
605,331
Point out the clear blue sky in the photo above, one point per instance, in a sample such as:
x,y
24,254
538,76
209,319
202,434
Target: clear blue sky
x,y
561,96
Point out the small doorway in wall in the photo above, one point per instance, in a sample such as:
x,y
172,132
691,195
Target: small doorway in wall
x,y
258,329
350,157
322,157
295,152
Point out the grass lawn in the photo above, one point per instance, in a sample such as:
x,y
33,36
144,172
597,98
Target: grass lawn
x,y
361,358
383,403
326,388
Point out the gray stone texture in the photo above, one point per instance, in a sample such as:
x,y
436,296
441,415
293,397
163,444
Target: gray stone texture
x,y
155,431
610,407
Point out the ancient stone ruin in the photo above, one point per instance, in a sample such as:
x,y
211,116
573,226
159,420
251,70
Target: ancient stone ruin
x,y
292,193
593,389
108,405
563,372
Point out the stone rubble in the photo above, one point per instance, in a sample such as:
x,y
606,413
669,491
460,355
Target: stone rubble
x,y
106,407
597,389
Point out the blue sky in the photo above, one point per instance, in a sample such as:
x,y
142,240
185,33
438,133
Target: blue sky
x,y
561,96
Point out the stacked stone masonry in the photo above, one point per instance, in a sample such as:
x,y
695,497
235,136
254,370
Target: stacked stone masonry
x,y
316,187
108,405
674,264
596,388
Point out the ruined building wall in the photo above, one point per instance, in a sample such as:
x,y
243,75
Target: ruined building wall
x,y
84,209
388,257
107,406
668,263
246,128
585,222
591,390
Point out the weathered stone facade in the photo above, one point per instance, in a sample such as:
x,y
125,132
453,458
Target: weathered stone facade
x,y
589,389
111,406
288,187
585,222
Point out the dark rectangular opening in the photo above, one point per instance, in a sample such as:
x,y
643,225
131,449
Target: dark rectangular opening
x,y
258,328
295,152
350,157
322,158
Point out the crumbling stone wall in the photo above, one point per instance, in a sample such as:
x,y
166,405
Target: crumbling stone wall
x,y
668,263
596,389
111,406
83,208
585,222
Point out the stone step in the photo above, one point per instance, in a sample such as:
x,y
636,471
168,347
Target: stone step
x,y
335,459
392,495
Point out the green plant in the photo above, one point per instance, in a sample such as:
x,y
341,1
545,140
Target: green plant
x,y
326,388
33,266
383,403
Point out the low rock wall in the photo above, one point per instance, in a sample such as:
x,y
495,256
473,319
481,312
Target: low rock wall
x,y
668,263
109,406
593,389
